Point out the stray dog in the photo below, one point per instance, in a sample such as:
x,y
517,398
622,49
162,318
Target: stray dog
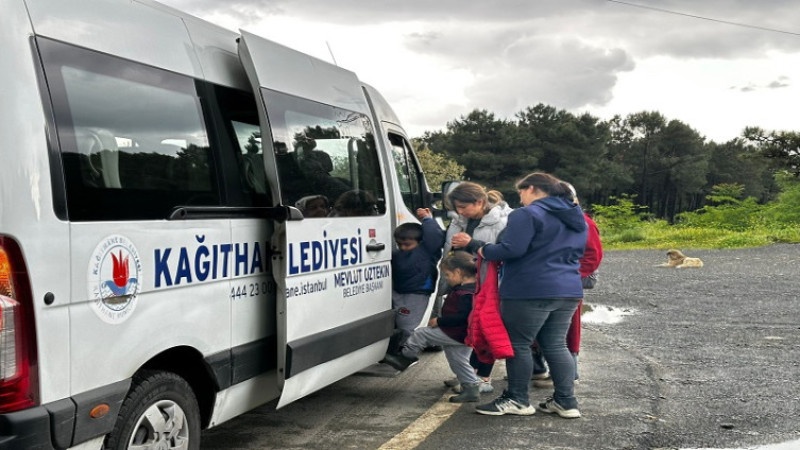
x,y
676,259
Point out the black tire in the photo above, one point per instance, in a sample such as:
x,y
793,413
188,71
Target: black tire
x,y
166,398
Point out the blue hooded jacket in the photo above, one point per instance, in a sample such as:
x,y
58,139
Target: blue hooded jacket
x,y
540,249
414,271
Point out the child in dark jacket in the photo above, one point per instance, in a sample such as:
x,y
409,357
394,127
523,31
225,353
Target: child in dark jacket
x,y
414,274
449,329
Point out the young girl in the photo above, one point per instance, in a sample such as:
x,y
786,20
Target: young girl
x,y
449,329
479,221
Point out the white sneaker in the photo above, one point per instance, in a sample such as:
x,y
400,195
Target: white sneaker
x,y
550,406
503,405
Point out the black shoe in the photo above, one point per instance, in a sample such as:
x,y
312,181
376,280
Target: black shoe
x,y
397,340
434,348
399,362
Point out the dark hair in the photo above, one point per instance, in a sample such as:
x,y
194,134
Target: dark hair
x,y
546,183
460,260
356,203
467,192
407,231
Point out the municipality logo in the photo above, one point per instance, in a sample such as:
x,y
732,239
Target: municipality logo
x,y
114,278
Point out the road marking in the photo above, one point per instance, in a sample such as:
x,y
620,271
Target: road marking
x,y
425,424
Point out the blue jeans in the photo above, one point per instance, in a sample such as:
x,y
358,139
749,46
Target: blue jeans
x,y
545,320
540,366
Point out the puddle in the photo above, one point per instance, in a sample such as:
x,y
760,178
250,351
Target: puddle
x,y
793,445
591,313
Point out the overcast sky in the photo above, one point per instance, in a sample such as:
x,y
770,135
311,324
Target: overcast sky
x,y
435,61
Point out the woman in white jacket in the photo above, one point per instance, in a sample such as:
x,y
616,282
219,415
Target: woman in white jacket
x,y
479,222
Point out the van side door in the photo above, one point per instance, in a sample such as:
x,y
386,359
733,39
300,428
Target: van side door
x,y
333,272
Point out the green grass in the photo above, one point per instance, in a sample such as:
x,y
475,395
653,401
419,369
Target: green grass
x,y
661,236
732,223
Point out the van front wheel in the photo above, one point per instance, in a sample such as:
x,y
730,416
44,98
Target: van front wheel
x,y
160,411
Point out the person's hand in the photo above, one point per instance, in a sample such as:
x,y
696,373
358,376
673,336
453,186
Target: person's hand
x,y
433,323
480,252
460,240
423,213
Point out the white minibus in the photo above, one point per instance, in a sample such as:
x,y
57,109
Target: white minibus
x,y
193,222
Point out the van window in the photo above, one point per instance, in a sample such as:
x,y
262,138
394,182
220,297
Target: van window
x,y
408,177
327,155
240,131
133,141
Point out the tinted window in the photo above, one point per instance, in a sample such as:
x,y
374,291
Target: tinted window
x,y
325,155
132,137
408,177
240,132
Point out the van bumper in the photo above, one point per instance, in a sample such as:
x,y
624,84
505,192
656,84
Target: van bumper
x,y
29,428
63,423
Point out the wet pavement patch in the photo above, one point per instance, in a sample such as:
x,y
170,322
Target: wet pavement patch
x,y
603,314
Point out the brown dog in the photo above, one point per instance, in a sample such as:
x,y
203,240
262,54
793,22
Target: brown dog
x,y
676,259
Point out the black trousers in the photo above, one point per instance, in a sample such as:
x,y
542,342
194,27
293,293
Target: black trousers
x,y
484,370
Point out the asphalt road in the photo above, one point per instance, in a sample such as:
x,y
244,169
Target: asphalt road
x,y
671,358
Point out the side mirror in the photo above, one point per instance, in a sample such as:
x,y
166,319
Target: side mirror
x,y
448,187
444,209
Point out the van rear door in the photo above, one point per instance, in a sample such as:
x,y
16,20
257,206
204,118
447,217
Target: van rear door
x,y
334,266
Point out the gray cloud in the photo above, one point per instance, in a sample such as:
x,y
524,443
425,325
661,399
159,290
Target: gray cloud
x,y
382,11
780,82
642,32
748,88
566,74
645,30
515,68
568,54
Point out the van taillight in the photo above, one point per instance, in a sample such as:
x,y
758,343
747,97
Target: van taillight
x,y
18,369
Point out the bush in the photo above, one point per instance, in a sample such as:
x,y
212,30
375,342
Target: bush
x,y
785,210
730,223
622,214
729,216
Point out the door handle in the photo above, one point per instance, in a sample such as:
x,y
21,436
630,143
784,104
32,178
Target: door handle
x,y
376,247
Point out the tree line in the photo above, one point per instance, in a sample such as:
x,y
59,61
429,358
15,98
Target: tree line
x,y
664,165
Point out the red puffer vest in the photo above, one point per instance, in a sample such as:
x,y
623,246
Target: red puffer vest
x,y
487,334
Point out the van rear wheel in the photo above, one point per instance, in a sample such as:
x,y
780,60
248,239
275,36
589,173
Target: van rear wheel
x,y
160,412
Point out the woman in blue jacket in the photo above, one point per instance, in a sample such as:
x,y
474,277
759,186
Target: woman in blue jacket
x,y
539,292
